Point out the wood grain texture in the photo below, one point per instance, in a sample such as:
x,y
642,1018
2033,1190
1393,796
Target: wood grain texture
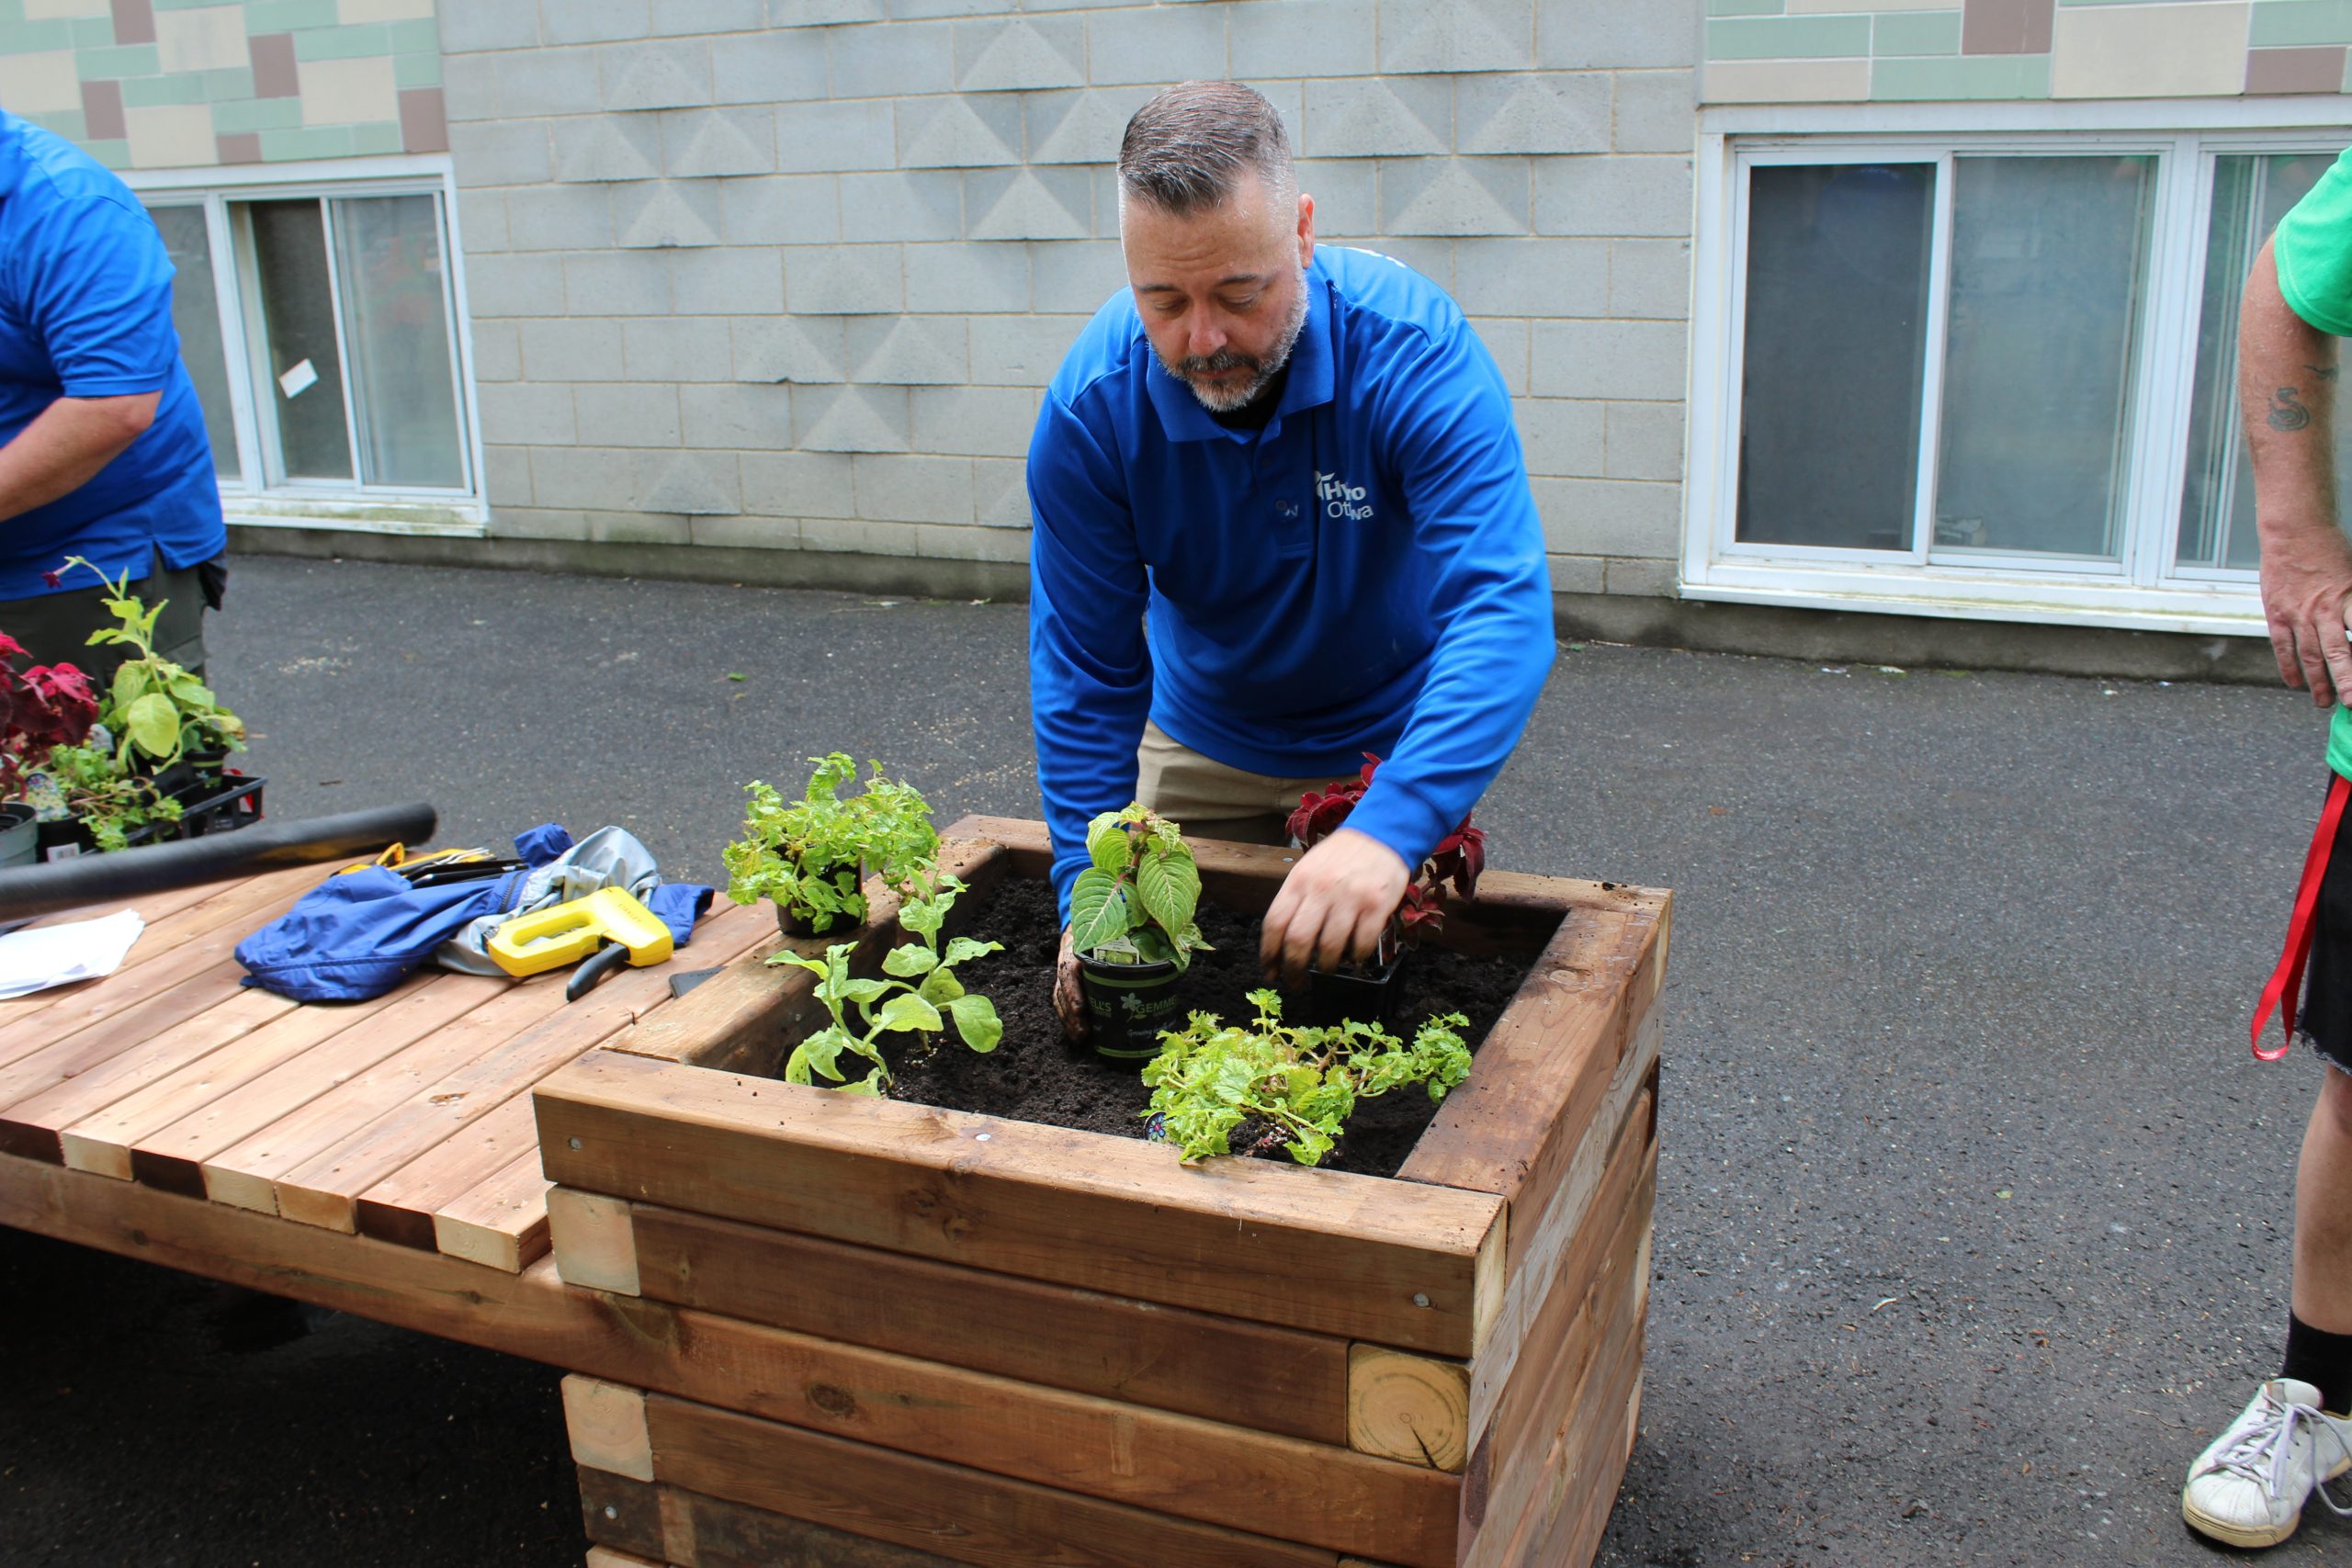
x,y
621,1514
606,1557
402,1207
173,920
595,1242
973,1517
606,1424
1325,1251
707,1532
1248,1374
173,1156
324,1189
1169,1464
1414,1409
89,1070
101,1139
1566,1211
501,1222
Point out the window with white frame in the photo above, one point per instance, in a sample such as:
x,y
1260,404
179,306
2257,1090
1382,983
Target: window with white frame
x,y
319,325
1987,375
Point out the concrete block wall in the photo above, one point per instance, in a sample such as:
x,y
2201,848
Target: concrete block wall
x,y
791,274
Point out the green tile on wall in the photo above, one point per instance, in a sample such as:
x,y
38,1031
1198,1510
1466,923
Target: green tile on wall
x,y
376,136
39,37
181,4
344,43
288,15
67,123
257,114
223,85
114,154
2286,23
1787,38
120,62
12,13
146,91
1960,77
1745,8
314,141
417,69
1916,32
93,32
417,33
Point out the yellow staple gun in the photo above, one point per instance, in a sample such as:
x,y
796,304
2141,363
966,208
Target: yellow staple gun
x,y
565,933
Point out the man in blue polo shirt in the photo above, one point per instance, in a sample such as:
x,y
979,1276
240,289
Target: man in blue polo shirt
x,y
1280,519
103,452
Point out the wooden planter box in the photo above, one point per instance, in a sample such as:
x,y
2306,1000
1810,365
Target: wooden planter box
x,y
882,1334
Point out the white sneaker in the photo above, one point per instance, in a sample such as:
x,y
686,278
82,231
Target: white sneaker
x,y
2248,1488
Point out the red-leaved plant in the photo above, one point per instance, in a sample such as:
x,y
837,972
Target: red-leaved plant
x,y
41,708
1458,859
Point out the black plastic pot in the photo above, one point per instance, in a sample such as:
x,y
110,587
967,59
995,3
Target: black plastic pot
x,y
1367,996
1128,1005
791,922
217,805
19,835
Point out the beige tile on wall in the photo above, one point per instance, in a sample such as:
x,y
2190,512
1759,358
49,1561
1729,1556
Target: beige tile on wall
x,y
350,11
1784,81
209,37
57,10
2150,52
39,83
167,136
348,92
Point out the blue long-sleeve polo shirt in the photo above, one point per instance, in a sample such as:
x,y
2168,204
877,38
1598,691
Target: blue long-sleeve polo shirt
x,y
1365,573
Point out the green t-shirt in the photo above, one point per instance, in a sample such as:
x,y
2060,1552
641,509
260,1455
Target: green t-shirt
x,y
2313,248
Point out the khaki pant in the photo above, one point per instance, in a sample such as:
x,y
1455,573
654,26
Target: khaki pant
x,y
55,628
1210,800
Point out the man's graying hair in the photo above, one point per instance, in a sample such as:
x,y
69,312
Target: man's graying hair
x,y
1186,150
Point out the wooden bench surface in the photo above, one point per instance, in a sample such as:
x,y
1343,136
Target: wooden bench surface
x,y
406,1117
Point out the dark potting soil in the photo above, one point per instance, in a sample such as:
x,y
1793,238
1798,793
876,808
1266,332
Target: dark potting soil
x,y
1035,1075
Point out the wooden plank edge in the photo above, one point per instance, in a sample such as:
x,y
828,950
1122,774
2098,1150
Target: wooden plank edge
x,y
594,1238
606,1424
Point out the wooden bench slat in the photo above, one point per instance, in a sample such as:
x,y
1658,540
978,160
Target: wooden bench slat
x,y
161,934
401,1206
502,1222
152,981
324,1190
172,1156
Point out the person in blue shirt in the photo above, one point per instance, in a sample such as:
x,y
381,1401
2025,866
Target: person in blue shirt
x,y
1280,519
103,451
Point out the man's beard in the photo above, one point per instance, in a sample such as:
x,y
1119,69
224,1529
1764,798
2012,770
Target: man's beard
x,y
1227,398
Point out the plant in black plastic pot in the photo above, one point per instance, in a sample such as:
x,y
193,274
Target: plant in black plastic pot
x,y
1368,991
41,709
811,854
160,715
1131,924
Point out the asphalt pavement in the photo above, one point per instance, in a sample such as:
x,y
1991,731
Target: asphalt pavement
x,y
1974,1209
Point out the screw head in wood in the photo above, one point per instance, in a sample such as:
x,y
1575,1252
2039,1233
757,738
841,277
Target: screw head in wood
x,y
1420,1300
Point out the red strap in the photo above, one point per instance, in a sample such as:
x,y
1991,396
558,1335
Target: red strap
x,y
2286,980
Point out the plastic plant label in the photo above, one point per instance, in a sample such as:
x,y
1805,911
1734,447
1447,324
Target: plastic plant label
x,y
297,380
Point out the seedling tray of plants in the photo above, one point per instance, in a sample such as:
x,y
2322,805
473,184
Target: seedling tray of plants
x,y
995,1341
220,802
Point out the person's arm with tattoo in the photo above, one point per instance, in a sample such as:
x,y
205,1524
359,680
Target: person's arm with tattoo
x,y
2286,396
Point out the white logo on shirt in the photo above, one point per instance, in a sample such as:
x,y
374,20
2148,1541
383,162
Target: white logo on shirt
x,y
1341,499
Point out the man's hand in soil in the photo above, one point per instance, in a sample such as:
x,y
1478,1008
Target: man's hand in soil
x,y
1332,906
1069,1002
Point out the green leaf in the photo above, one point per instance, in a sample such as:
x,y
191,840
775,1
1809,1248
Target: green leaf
x,y
153,725
870,1085
1097,910
964,949
821,1053
939,987
907,1011
1107,844
977,1021
1169,886
862,991
910,961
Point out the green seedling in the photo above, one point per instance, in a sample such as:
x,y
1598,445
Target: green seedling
x,y
1135,903
807,855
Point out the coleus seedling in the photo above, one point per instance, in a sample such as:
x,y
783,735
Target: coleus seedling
x,y
41,708
1458,859
920,995
1135,903
1301,1084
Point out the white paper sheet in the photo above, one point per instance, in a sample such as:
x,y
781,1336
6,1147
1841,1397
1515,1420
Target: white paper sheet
x,y
43,956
